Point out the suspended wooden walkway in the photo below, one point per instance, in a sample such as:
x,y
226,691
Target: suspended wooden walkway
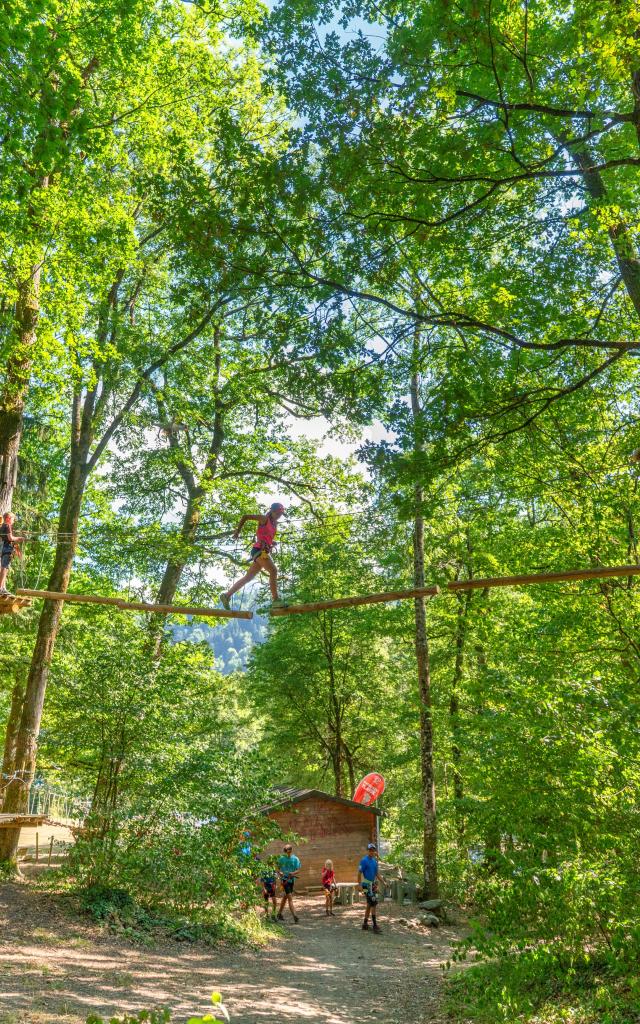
x,y
544,577
13,604
350,602
134,606
479,583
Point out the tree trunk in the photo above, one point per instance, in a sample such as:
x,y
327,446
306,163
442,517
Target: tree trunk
x,y
23,762
429,835
17,700
174,570
348,756
454,709
334,710
196,493
105,796
16,385
620,233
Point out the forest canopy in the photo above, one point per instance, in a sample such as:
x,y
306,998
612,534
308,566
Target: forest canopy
x,y
379,262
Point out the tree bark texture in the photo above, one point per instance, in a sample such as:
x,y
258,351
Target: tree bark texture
x,y
462,613
429,834
11,735
16,384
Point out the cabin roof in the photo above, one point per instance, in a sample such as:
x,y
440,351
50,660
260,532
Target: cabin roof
x,y
290,795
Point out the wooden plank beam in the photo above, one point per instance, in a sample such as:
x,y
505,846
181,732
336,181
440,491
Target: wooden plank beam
x,y
132,606
54,595
544,577
170,609
350,602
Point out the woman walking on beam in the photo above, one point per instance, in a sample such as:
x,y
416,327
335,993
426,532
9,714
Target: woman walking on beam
x,y
261,559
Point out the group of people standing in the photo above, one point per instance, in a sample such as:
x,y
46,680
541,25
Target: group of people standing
x,y
286,869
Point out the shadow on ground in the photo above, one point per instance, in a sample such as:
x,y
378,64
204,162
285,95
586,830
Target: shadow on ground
x,y
54,967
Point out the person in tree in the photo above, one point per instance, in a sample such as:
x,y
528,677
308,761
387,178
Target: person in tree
x,y
368,875
288,869
9,546
261,560
329,885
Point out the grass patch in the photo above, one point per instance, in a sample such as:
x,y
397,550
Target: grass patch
x,y
534,988
119,979
9,871
46,937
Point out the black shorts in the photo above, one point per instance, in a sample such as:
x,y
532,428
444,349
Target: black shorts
x,y
287,885
269,890
371,893
258,552
5,559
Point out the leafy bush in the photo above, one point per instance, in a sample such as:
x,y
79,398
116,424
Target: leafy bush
x,y
102,902
534,987
173,862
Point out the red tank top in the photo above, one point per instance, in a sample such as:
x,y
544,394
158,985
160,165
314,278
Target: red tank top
x,y
266,534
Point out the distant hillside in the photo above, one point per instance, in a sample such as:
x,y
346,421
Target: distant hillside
x,y
231,643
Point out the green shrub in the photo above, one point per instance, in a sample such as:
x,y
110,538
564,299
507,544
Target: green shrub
x,y
177,865
102,901
163,1016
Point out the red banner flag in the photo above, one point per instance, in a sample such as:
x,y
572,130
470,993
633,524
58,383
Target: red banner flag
x,y
369,789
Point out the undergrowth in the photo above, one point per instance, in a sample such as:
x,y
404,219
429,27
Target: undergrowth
x,y
147,925
142,924
534,987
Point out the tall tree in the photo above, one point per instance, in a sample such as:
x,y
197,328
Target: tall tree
x,y
460,141
114,355
71,73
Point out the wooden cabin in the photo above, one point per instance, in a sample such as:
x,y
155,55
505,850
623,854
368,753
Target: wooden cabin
x,y
329,827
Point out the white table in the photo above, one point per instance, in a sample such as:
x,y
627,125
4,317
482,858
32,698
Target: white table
x,y
346,893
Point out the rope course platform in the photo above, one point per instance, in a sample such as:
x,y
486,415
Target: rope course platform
x,y
11,604
24,820
134,606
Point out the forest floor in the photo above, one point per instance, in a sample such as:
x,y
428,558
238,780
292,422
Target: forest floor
x,y
57,967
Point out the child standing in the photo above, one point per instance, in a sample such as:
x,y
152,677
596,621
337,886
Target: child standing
x,y
329,886
9,545
269,881
261,560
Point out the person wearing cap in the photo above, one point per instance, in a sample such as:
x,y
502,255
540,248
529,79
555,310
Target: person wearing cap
x,y
368,875
288,868
261,560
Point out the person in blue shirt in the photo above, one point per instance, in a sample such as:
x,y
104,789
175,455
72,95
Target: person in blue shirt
x,y
288,869
368,875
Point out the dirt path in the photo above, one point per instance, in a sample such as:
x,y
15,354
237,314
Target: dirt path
x,y
54,968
